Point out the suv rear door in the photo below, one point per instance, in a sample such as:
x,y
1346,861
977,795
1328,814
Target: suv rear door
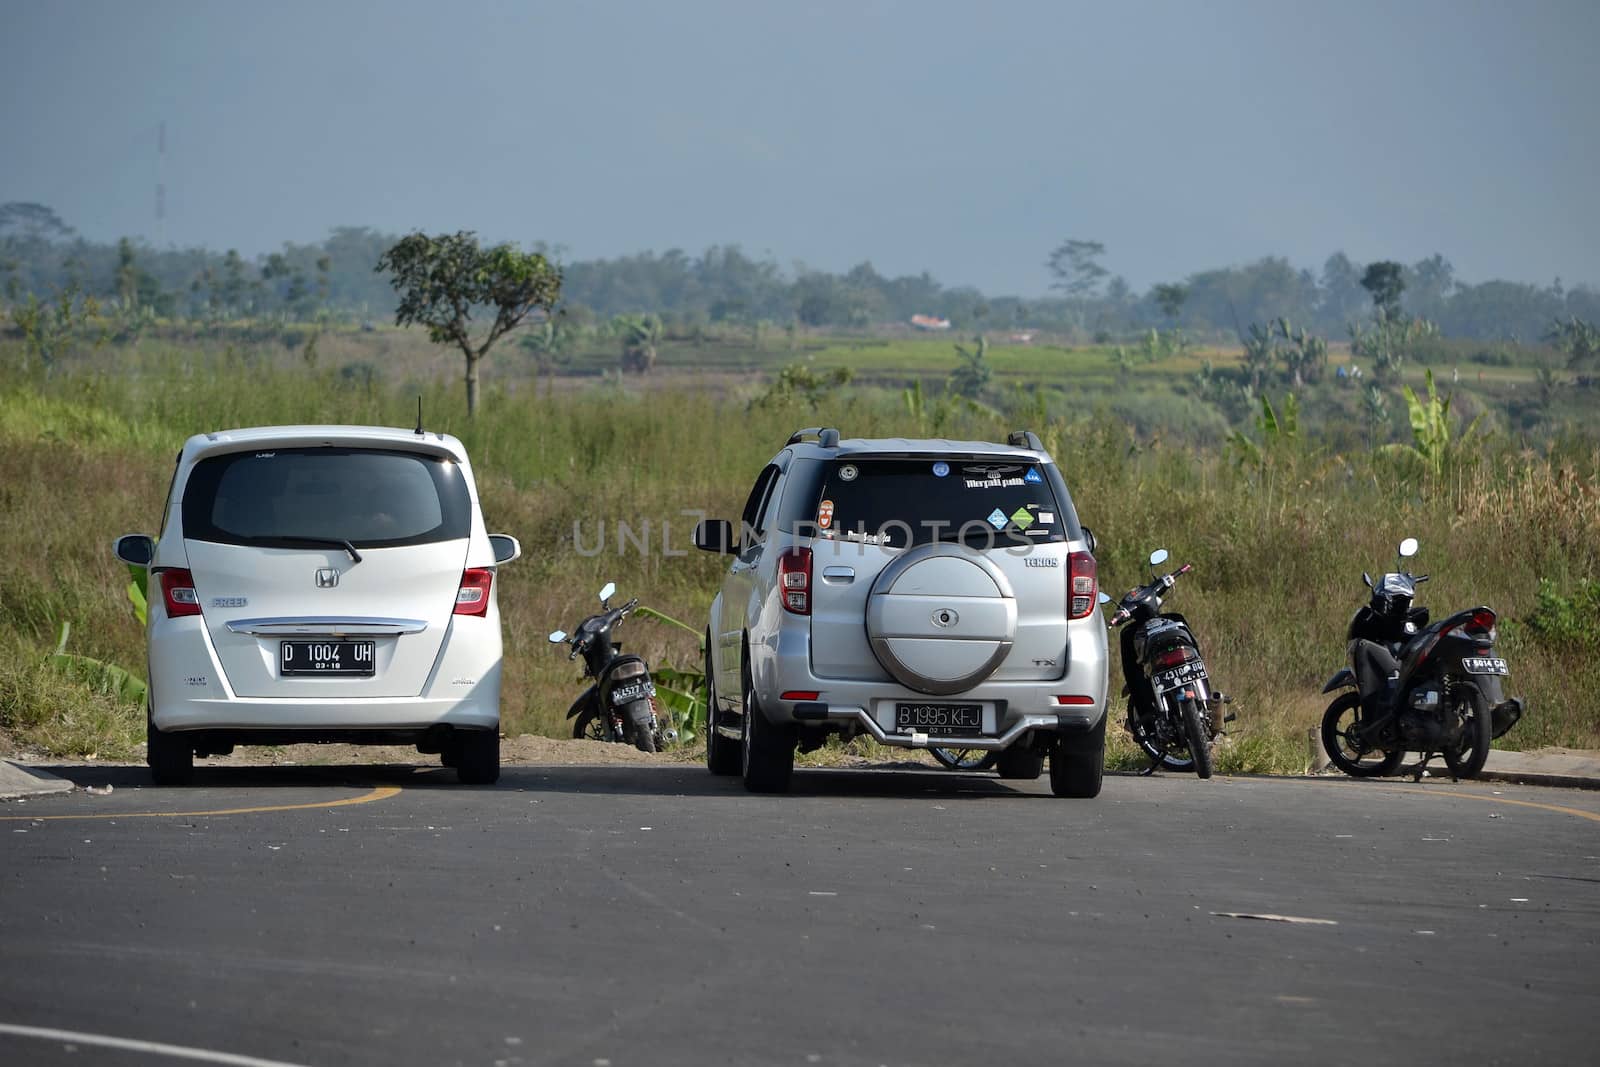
x,y
945,559
265,533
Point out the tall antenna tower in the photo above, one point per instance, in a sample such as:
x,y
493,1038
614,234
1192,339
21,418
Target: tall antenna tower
x,y
161,188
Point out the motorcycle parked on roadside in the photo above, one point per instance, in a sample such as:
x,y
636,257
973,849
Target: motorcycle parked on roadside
x,y
620,706
1173,714
1440,693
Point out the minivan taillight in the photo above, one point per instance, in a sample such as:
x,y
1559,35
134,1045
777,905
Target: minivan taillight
x,y
1081,573
473,596
177,593
794,580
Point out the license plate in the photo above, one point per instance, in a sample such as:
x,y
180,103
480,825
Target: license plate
x,y
1178,677
1484,665
947,719
624,694
325,657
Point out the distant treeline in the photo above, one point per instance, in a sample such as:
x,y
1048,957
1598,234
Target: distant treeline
x,y
40,255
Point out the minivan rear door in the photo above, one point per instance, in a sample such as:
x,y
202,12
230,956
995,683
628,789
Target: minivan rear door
x,y
327,571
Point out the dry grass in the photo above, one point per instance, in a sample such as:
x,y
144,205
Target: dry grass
x,y
1278,550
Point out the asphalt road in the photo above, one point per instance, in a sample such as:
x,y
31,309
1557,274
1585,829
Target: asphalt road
x,y
655,915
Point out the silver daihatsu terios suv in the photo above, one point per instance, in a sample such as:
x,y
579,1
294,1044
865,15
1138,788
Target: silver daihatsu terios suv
x,y
322,583
927,593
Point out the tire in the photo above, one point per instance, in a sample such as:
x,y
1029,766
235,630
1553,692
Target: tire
x,y
640,732
1468,759
723,757
1342,715
477,756
768,748
964,759
1078,772
1157,752
170,756
1194,728
1020,764
591,726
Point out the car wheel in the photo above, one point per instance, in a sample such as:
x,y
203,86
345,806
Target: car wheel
x,y
1020,764
169,754
477,756
1078,772
768,748
723,756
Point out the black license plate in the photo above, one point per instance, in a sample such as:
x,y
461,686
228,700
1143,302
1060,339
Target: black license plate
x,y
625,694
1484,665
945,719
1178,677
325,657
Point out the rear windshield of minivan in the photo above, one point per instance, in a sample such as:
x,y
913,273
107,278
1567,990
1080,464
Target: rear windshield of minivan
x,y
372,498
900,502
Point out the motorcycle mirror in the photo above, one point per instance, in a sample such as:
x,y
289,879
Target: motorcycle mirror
x,y
1158,557
1408,548
558,636
608,591
1104,599
1365,577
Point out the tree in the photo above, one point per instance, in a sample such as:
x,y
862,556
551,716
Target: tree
x,y
1385,280
1580,341
1076,268
1170,298
972,374
639,335
442,278
32,221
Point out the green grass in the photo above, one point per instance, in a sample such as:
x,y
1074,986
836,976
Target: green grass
x,y
86,453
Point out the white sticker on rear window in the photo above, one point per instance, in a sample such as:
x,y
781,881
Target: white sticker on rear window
x,y
1047,517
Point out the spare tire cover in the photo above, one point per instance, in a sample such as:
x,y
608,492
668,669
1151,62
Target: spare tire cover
x,y
941,618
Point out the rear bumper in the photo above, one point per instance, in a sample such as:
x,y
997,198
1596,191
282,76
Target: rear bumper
x,y
1071,706
480,709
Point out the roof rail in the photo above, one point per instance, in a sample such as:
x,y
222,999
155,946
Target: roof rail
x,y
1025,439
826,436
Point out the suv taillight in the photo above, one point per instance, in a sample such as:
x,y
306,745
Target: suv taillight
x,y
1080,573
473,596
177,592
794,580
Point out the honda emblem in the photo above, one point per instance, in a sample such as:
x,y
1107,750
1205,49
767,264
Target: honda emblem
x,y
327,578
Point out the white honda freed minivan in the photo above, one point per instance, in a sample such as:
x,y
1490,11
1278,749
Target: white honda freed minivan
x,y
322,583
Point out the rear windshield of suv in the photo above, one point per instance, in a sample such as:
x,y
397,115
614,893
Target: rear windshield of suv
x,y
372,498
912,501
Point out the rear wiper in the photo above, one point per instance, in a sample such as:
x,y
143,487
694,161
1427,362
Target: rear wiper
x,y
355,557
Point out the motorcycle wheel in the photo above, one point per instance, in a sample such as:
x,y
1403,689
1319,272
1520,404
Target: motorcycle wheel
x,y
1467,759
1169,760
1342,717
640,730
964,759
1194,728
590,726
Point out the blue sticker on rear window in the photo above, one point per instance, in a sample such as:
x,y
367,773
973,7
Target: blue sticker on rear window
x,y
1032,477
941,469
997,519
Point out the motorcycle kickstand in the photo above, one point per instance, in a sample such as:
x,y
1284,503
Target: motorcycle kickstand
x,y
1422,766
1155,764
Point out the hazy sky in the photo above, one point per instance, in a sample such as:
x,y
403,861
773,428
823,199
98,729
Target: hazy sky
x,y
965,139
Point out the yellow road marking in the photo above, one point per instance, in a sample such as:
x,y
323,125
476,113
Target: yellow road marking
x,y
382,792
1591,816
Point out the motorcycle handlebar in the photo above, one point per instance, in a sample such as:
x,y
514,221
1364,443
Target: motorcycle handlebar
x,y
1185,569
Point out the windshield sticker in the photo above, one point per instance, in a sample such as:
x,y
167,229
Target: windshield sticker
x,y
1032,477
941,469
862,537
997,519
825,514
991,477
1047,518
848,472
1023,518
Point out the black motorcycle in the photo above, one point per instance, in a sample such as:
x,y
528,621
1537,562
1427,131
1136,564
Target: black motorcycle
x,y
620,705
1433,688
1172,713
